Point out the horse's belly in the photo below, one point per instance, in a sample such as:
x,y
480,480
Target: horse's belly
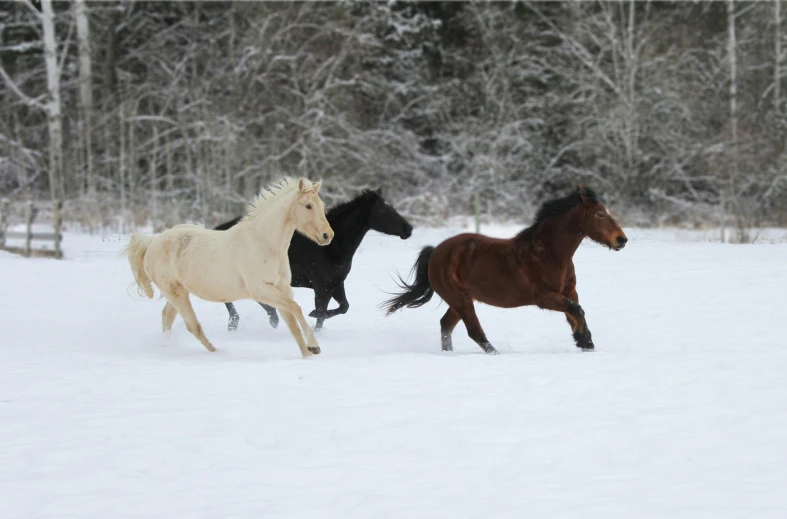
x,y
504,291
215,285
501,299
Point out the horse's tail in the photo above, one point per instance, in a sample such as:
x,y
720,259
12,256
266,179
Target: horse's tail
x,y
417,294
135,252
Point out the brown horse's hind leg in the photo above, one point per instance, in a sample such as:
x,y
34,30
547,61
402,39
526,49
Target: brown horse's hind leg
x,y
447,325
474,330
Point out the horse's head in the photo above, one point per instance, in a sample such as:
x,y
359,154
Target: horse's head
x,y
384,218
309,213
597,223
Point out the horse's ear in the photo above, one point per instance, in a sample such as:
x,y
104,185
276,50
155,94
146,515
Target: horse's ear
x,y
582,192
379,192
316,186
304,185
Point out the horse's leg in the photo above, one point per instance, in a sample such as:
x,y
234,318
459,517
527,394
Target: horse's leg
x,y
234,317
321,299
292,323
282,299
447,325
180,300
311,340
168,315
467,312
579,327
273,317
341,298
574,314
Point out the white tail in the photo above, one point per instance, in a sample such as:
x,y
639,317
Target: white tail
x,y
135,251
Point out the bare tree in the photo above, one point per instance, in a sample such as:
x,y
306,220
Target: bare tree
x,y
85,90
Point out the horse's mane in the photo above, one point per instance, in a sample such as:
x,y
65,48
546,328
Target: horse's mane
x,y
274,190
339,211
560,206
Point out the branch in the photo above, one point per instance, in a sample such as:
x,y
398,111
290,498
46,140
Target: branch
x,y
31,7
29,101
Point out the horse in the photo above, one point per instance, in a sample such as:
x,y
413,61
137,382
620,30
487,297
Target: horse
x,y
533,268
324,269
247,262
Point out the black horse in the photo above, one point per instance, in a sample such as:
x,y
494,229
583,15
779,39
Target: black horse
x,y
324,269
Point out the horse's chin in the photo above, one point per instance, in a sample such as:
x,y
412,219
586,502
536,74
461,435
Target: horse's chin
x,y
608,244
319,241
406,234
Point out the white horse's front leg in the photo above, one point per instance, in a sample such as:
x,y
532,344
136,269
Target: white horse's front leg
x,y
271,295
311,340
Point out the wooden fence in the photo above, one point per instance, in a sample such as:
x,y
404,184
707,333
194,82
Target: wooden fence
x,y
28,235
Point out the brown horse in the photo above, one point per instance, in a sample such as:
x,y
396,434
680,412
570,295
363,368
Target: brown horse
x,y
534,268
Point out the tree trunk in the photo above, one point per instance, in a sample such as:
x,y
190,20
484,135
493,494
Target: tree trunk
x,y
733,166
154,179
122,166
85,90
53,112
132,163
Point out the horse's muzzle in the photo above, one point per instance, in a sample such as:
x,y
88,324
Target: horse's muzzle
x,y
621,242
407,232
325,239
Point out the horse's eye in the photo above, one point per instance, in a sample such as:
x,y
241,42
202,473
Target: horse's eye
x,y
308,206
600,215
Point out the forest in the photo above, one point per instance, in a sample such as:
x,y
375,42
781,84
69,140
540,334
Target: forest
x,y
135,113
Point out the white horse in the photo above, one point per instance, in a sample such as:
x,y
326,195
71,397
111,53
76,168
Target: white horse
x,y
248,261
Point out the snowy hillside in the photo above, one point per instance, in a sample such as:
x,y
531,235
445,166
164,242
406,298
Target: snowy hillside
x,y
681,412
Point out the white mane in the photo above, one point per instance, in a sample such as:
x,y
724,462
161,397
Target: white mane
x,y
275,190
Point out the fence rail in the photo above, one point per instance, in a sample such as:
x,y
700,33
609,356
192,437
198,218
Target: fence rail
x,y
28,235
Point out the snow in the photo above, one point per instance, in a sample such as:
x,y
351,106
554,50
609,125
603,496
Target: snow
x,y
680,413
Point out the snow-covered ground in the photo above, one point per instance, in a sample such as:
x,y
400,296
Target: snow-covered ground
x,y
680,413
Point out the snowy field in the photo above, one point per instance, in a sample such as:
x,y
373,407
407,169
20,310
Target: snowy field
x,y
681,412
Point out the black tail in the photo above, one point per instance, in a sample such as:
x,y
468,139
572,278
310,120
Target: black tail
x,y
417,294
227,225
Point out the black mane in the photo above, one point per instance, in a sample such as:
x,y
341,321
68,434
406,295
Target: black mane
x,y
560,206
339,211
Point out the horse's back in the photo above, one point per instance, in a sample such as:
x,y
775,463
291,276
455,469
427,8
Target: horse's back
x,y
472,244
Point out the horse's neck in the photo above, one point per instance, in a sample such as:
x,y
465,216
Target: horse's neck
x,y
349,231
272,223
561,236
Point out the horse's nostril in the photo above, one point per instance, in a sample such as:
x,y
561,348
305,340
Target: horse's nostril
x,y
325,236
622,240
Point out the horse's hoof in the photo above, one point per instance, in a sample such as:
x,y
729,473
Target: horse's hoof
x,y
313,313
314,349
274,320
232,327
